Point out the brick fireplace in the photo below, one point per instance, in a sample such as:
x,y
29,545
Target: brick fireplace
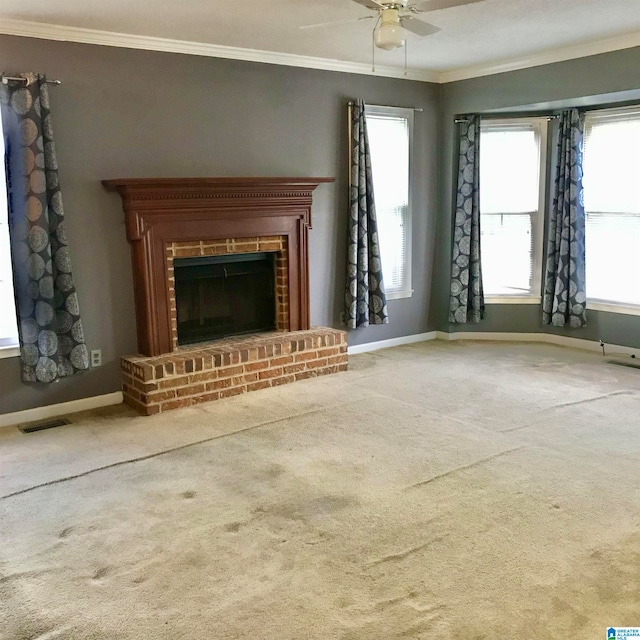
x,y
173,222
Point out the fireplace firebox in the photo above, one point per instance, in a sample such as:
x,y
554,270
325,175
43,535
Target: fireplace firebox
x,y
222,296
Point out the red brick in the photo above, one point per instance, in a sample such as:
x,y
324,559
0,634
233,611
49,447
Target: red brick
x,y
207,376
227,372
145,386
305,356
175,404
330,351
173,382
256,366
190,391
233,391
223,383
261,384
207,397
294,368
159,396
303,375
282,380
270,373
278,362
184,252
317,364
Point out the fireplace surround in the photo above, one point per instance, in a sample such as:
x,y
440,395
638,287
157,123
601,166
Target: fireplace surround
x,y
160,212
172,220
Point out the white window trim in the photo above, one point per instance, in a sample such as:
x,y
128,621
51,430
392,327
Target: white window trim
x,y
539,221
612,307
512,300
9,352
398,294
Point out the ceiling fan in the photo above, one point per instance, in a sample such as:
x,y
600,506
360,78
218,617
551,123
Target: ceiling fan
x,y
393,18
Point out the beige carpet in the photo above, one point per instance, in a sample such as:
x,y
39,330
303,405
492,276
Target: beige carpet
x,y
440,490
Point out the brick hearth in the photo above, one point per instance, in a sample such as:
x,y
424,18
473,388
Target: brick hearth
x,y
229,367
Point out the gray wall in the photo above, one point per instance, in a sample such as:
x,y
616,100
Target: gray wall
x,y
124,113
597,80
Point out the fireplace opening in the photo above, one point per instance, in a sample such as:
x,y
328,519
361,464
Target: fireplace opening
x,y
220,296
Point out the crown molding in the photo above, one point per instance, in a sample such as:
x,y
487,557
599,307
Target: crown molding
x,y
149,43
608,45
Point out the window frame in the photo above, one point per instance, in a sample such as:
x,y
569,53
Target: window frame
x,y
538,222
408,114
599,304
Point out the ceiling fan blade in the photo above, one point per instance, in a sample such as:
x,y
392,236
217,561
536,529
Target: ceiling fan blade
x,y
370,4
417,26
435,5
334,22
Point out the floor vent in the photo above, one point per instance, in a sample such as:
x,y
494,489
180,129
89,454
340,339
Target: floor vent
x,y
41,426
625,363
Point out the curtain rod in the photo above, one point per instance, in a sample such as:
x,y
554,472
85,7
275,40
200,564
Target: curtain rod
x,y
498,116
6,79
351,103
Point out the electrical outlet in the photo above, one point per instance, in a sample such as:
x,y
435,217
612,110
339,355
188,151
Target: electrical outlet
x,y
343,319
96,358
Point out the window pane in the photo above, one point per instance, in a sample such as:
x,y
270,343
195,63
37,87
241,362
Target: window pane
x,y
8,320
509,167
389,146
507,254
611,171
612,167
510,157
612,257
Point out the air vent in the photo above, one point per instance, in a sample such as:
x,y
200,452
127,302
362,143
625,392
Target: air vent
x,y
625,363
41,426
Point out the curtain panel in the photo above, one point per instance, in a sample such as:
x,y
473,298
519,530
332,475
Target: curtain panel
x,y
366,302
466,302
564,299
52,343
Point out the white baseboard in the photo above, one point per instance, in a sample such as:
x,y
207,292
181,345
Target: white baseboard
x,y
545,338
63,408
393,342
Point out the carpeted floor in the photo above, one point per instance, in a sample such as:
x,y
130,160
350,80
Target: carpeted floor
x,y
439,490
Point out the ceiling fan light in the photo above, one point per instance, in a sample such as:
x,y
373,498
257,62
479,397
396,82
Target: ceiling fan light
x,y
389,34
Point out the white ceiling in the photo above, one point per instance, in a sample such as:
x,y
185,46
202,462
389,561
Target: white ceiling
x,y
492,34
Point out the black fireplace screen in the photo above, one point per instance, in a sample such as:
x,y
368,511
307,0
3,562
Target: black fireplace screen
x,y
221,296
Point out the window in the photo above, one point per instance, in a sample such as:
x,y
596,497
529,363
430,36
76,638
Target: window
x,y
512,196
390,132
612,203
8,320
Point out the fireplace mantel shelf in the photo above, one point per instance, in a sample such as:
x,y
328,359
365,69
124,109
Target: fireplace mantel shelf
x,y
163,210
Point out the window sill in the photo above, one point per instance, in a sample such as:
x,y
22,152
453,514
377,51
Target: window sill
x,y
9,352
612,307
397,295
511,300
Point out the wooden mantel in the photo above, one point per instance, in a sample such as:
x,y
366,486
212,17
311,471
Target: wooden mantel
x,y
163,210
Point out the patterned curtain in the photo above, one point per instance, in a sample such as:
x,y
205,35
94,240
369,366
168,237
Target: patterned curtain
x,y
564,300
365,299
51,337
467,299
